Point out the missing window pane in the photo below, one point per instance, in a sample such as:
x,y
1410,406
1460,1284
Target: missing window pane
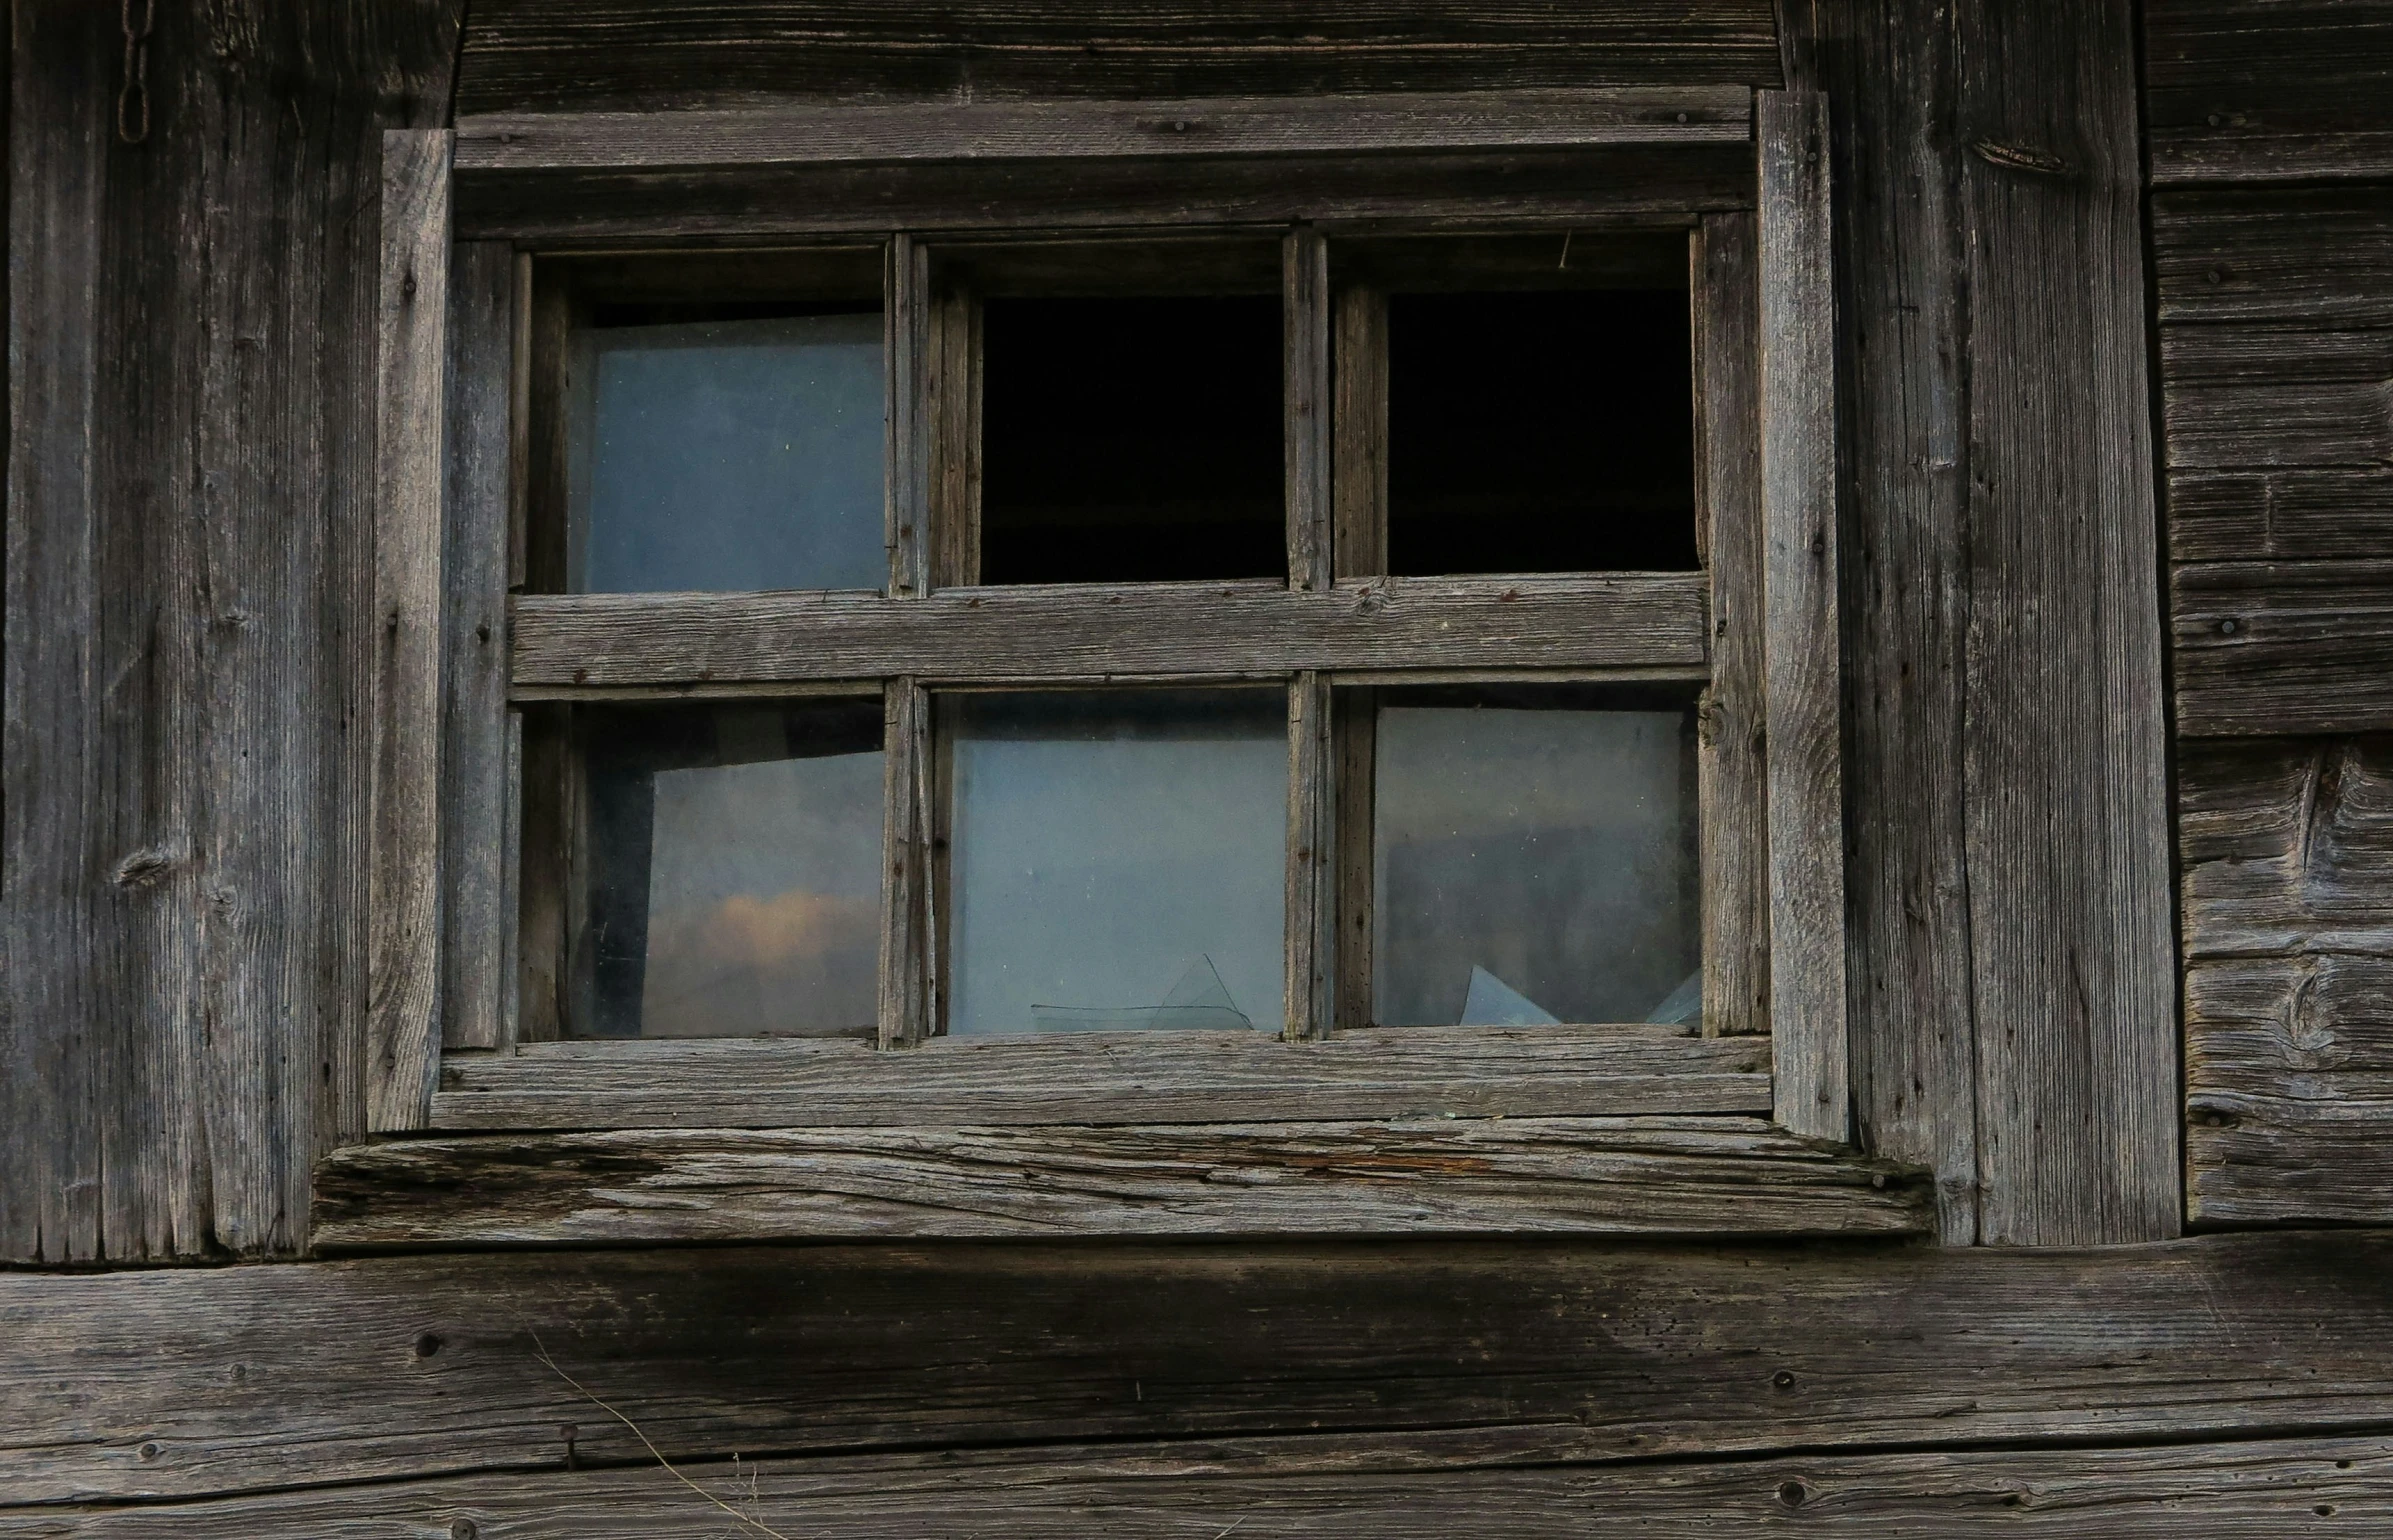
x,y
741,449
1547,431
1131,440
1116,860
734,860
1534,860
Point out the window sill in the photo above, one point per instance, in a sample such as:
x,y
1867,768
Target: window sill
x,y
1495,1176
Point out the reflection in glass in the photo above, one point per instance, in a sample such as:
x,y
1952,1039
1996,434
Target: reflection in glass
x,y
728,455
1116,860
735,860
1534,866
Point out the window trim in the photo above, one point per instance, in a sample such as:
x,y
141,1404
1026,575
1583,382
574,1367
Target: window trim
x,y
1786,374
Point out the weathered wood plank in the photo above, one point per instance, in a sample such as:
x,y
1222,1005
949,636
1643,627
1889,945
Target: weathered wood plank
x,y
2296,256
908,1009
1730,763
403,878
2303,1151
256,1378
477,908
2266,90
548,54
1340,1485
1359,433
1154,1077
2287,847
2283,647
1802,676
2295,514
1306,416
1229,630
1643,182
983,132
1495,1176
1311,912
2242,395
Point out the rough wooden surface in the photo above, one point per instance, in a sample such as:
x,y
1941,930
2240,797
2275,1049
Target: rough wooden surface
x,y
178,1385
2268,90
2289,513
1306,387
2283,647
545,55
403,880
1310,950
1491,1176
2288,919
1331,1486
1228,630
1150,1077
187,584
907,1011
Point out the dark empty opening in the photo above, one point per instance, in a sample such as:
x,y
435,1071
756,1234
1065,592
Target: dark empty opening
x,y
1131,440
1540,432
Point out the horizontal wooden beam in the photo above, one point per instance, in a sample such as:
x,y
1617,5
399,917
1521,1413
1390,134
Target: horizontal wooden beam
x,y
1641,622
988,132
1131,1077
2275,648
1494,1176
179,1384
1397,1487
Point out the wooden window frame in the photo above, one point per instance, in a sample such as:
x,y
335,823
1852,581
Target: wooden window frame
x,y
467,653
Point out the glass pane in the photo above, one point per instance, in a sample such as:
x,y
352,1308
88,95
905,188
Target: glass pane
x,y
729,455
1116,860
735,859
1534,865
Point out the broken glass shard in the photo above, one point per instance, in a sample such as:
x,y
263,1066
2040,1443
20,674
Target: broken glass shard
x,y
1491,1002
1199,1002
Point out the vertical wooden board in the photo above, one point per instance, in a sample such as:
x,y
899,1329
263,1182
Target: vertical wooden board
x,y
477,912
955,476
2064,745
909,320
1354,726
403,877
1305,306
1903,332
1359,435
1312,902
1802,682
1730,763
908,1010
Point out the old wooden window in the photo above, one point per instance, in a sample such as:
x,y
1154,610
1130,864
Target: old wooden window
x,y
1194,651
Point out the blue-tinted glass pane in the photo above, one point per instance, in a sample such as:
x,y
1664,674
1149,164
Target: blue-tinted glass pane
x,y
735,858
1116,861
729,455
1534,866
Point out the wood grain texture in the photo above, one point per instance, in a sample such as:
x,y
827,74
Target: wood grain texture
x,y
2255,395
2268,90
1731,763
477,902
1306,414
545,55
2289,514
908,307
1359,433
1311,948
403,879
2287,847
1323,1485
982,132
1227,630
1164,1077
908,1012
2283,647
1802,682
1494,1176
1646,182
253,1379
1354,739
2320,257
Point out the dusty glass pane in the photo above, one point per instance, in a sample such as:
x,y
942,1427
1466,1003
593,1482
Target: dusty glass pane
x,y
1534,865
735,860
728,455
1116,860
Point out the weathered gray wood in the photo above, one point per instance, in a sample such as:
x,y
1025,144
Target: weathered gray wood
x,y
1730,764
908,1011
2300,256
2263,395
2283,647
1354,741
2064,745
548,54
1493,1176
1312,867
1359,434
1305,365
1341,1485
955,409
909,361
2267,90
2294,514
1155,1077
258,1378
403,852
1648,183
1802,677
477,908
2287,847
992,133
1229,630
